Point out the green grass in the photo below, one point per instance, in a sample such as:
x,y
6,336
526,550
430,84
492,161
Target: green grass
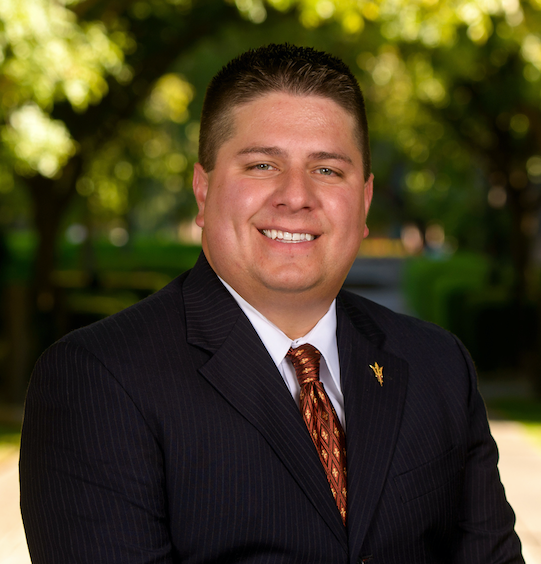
x,y
142,253
525,411
10,434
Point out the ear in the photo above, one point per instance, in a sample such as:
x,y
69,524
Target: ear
x,y
368,193
200,188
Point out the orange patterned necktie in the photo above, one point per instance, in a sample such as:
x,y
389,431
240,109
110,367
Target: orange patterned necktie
x,y
322,422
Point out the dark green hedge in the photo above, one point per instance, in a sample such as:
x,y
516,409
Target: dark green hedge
x,y
467,295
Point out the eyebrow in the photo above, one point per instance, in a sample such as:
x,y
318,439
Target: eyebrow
x,y
277,152
323,155
271,151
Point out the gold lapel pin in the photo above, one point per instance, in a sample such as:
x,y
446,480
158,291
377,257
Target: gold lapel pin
x,y
378,371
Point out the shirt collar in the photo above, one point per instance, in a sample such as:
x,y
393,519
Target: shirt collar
x,y
277,343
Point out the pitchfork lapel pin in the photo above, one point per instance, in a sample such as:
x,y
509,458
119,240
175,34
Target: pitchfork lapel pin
x,y
378,372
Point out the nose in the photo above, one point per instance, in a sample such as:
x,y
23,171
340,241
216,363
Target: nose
x,y
295,191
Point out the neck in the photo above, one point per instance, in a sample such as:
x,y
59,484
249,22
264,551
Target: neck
x,y
294,315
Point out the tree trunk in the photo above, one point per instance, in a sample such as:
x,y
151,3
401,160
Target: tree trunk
x,y
38,316
522,244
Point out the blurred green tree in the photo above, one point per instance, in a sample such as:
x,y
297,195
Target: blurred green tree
x,y
456,94
73,74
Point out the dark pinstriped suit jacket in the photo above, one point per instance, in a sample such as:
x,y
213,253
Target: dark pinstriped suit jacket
x,y
166,434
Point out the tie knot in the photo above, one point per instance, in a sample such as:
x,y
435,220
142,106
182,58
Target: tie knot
x,y
305,360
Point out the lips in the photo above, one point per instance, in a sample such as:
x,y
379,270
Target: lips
x,y
286,236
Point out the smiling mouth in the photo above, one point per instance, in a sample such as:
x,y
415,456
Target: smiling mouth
x,y
286,236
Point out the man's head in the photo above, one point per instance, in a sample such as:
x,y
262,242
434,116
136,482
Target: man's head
x,y
283,188
278,68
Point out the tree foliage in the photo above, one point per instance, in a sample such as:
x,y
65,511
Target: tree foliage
x,y
49,57
468,95
89,83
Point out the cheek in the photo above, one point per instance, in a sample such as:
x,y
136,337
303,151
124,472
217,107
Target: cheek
x,y
228,216
246,205
235,196
346,212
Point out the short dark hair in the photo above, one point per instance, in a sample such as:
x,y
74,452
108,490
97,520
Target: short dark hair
x,y
278,68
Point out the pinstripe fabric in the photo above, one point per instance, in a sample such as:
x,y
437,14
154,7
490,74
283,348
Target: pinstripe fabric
x,y
149,437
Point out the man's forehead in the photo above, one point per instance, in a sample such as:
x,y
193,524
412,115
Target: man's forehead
x,y
269,96
268,100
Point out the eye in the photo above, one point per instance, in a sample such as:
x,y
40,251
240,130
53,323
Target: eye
x,y
324,171
262,166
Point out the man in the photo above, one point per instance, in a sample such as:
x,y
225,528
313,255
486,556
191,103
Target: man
x,y
173,432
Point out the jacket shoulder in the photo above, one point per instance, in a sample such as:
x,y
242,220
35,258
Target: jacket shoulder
x,y
399,333
150,320
387,318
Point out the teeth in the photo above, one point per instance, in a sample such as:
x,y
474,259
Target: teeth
x,y
286,236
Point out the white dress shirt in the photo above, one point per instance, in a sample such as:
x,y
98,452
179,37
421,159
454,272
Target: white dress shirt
x,y
277,343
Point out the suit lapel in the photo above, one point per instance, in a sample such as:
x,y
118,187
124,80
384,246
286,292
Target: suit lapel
x,y
373,414
242,371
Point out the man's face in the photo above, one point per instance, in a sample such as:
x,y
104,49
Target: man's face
x,y
283,212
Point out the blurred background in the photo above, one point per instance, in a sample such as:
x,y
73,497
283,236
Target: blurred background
x,y
99,109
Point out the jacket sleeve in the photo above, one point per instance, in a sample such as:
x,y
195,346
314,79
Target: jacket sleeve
x,y
486,519
91,471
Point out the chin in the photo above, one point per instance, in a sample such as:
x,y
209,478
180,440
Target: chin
x,y
292,286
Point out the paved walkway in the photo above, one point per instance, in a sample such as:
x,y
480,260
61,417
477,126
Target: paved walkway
x,y
520,468
12,540
520,471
